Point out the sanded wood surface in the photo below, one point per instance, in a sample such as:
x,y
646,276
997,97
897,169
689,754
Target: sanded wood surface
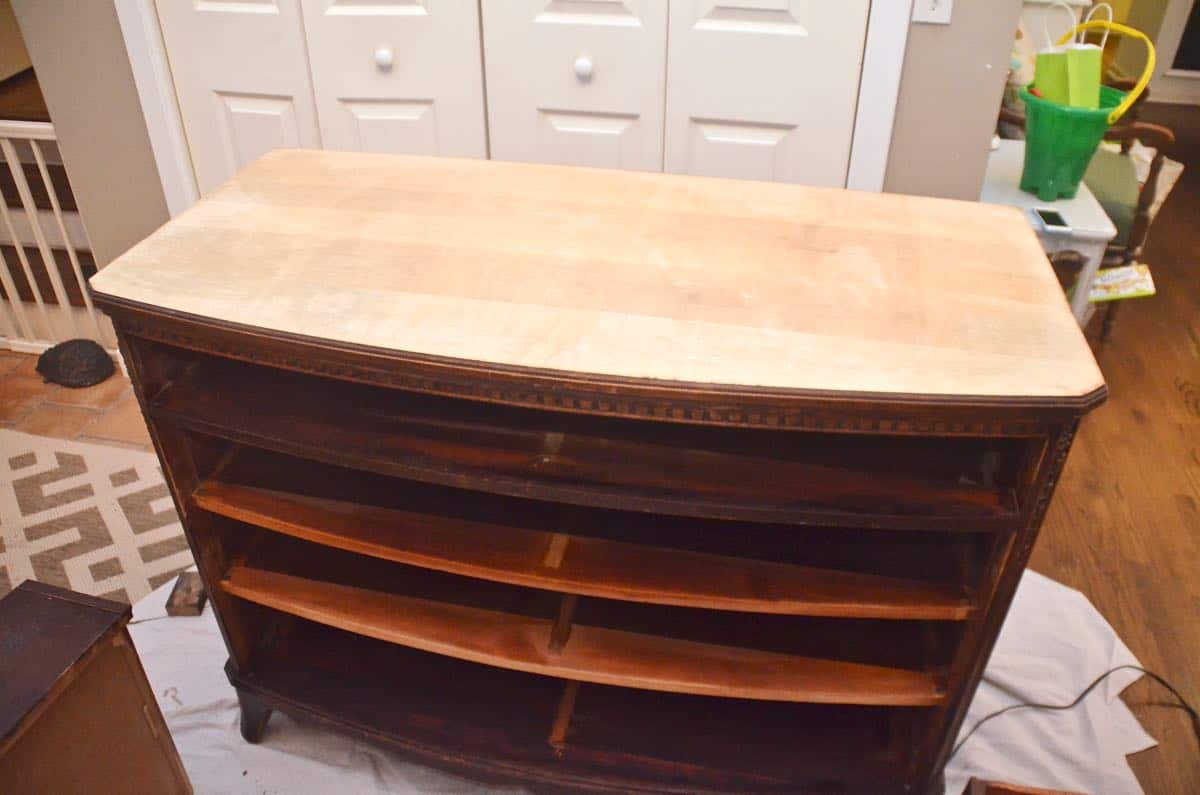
x,y
623,274
592,654
583,565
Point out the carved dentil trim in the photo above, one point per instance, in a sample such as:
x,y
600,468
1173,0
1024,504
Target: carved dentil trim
x,y
1058,459
535,395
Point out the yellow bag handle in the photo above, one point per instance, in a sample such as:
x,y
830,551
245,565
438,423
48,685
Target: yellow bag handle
x,y
1121,30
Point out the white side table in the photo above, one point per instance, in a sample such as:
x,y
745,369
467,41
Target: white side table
x,y
1091,229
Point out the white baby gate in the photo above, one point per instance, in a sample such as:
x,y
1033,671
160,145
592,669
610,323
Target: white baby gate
x,y
46,299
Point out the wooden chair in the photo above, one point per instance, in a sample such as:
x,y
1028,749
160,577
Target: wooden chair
x,y
1112,178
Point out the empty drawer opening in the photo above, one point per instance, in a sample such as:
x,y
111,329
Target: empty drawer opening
x,y
663,467
838,571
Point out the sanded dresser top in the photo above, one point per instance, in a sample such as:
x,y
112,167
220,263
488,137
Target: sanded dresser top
x,y
623,274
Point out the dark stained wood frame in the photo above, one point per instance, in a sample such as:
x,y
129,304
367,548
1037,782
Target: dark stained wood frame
x,y
157,343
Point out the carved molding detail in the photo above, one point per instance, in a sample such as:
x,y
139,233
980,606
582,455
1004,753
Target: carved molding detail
x,y
1058,459
535,392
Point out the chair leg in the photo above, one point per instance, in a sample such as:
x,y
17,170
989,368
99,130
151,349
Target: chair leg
x,y
1110,312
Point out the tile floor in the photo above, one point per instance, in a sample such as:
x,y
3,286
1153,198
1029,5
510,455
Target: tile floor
x,y
107,412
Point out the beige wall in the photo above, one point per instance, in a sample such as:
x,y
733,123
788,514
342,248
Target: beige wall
x,y
950,93
81,64
13,57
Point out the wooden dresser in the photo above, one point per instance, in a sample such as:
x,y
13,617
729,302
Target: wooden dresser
x,y
605,480
77,716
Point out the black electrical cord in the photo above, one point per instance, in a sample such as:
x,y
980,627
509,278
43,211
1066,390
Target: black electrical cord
x,y
1191,711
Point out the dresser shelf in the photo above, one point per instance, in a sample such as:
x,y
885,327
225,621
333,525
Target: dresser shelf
x,y
590,654
582,564
495,723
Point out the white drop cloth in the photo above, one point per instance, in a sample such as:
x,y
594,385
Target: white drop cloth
x,y
1053,644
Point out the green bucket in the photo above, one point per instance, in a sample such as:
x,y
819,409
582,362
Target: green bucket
x,y
1060,141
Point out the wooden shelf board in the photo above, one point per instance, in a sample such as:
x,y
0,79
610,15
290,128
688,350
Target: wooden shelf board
x,y
580,564
495,728
593,654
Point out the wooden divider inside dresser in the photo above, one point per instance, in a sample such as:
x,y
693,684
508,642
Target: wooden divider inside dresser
x,y
952,483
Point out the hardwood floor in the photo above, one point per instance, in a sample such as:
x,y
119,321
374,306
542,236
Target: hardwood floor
x,y
107,412
1124,527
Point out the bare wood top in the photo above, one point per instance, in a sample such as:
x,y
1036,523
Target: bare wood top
x,y
591,654
623,274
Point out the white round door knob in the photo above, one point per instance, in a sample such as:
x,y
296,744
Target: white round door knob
x,y
384,58
584,68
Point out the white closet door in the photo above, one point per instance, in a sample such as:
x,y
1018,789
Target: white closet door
x,y
241,76
578,82
764,89
397,75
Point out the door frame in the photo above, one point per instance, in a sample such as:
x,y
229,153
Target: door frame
x,y
156,91
878,90
1168,84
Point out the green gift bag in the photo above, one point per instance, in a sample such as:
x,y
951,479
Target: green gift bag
x,y
1083,76
1050,76
1052,66
1083,66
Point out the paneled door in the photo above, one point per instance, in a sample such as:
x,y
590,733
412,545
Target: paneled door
x,y
397,75
241,78
764,89
577,82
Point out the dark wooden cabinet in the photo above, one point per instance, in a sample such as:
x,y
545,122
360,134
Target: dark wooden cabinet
x,y
576,578
76,712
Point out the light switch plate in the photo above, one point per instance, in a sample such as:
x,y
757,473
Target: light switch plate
x,y
936,12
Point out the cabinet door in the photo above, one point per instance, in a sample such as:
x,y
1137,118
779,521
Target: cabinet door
x,y
764,89
397,75
578,82
241,77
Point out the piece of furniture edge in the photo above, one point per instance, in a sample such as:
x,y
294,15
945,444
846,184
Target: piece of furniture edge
x,y
703,403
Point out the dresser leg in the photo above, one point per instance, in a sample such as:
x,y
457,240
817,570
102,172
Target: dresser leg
x,y
254,716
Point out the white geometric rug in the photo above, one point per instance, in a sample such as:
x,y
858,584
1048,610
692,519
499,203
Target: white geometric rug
x,y
88,517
